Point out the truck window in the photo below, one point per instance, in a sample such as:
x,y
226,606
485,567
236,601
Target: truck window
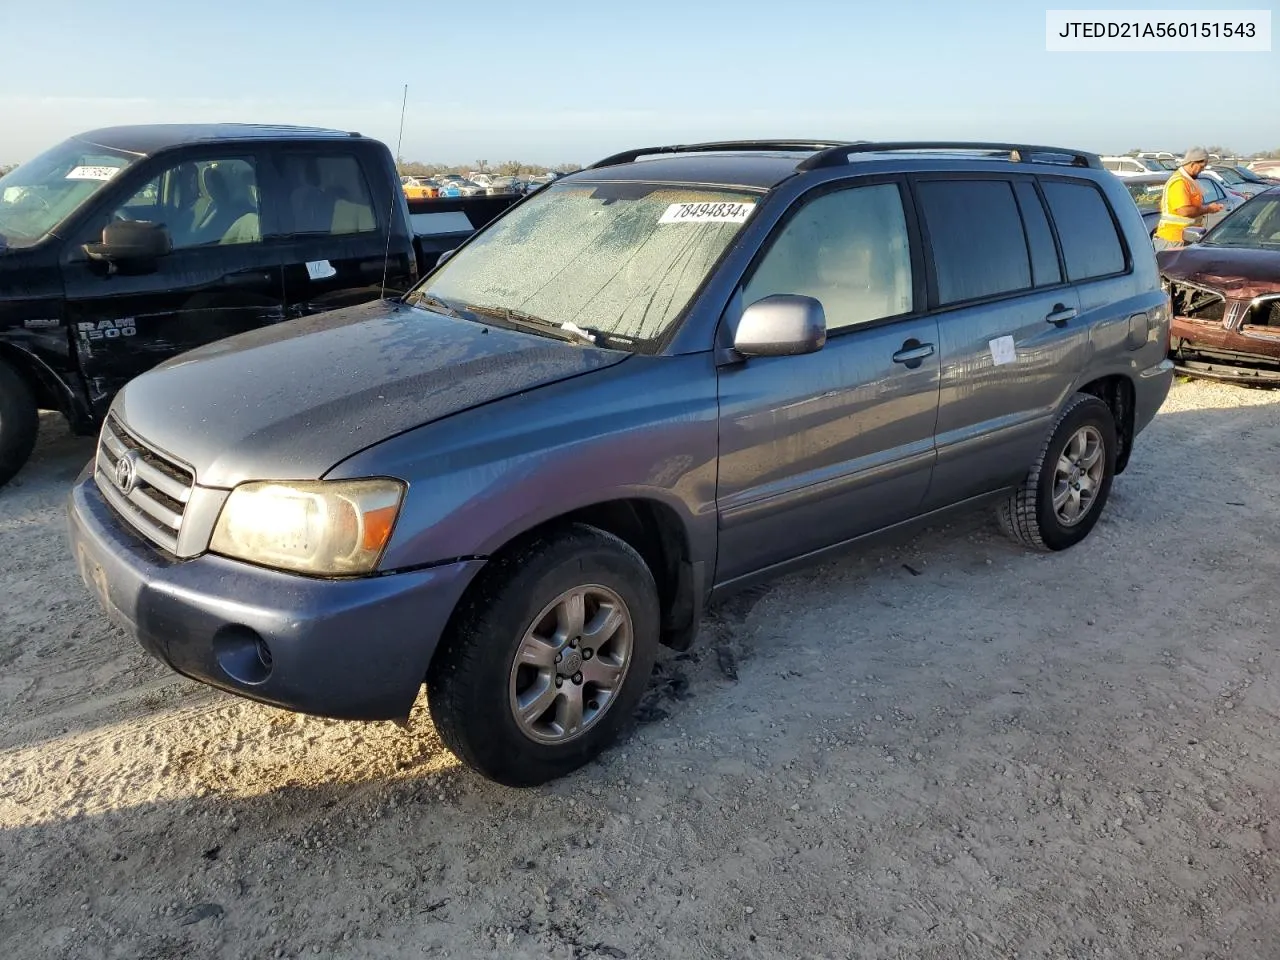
x,y
202,202
327,194
849,250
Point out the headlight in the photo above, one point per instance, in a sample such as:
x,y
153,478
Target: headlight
x,y
328,528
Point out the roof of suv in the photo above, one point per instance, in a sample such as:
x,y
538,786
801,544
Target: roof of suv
x,y
144,139
762,165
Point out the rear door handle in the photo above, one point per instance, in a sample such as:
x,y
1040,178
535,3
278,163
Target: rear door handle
x,y
913,354
1060,315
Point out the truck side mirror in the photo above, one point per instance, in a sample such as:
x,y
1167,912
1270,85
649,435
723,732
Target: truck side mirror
x,y
1192,234
135,243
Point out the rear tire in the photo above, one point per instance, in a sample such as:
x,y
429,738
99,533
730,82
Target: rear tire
x,y
543,602
19,422
1066,489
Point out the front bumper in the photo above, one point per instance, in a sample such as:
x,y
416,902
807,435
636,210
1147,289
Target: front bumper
x,y
351,649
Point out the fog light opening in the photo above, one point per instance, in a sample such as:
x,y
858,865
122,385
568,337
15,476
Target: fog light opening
x,y
242,655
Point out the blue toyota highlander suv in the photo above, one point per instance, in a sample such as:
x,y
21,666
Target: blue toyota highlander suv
x,y
645,385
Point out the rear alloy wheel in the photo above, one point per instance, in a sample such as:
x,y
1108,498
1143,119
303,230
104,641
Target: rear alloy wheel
x,y
1064,492
547,656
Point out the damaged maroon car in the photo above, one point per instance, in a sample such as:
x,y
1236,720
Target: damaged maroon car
x,y
1225,289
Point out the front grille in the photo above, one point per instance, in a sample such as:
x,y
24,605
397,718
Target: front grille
x,y
151,492
1198,303
1265,313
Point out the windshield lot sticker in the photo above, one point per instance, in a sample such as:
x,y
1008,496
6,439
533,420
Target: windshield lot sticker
x,y
320,269
707,213
1002,350
92,173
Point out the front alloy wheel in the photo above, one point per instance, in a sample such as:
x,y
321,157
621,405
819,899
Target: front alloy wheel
x,y
571,664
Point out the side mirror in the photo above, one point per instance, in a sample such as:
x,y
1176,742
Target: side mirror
x,y
132,242
782,325
1192,234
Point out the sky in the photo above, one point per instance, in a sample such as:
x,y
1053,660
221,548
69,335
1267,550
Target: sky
x,y
569,81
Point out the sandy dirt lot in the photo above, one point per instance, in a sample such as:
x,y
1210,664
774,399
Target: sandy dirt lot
x,y
941,748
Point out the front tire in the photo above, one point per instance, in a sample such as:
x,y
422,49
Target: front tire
x,y
1066,489
19,422
547,656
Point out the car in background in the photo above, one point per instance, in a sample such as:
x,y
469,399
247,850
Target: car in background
x,y
1131,166
1253,176
1225,290
1146,190
458,187
1266,168
1230,179
1165,159
419,188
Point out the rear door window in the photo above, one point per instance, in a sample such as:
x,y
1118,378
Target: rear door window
x,y
326,194
975,235
1045,270
1090,242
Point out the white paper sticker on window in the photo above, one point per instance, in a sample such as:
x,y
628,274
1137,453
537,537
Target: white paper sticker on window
x,y
707,213
1002,350
320,269
92,173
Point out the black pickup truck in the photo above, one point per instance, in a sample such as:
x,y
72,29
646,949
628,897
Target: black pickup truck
x,y
122,247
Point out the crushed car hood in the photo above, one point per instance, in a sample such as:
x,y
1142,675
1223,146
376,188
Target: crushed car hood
x,y
1239,272
290,401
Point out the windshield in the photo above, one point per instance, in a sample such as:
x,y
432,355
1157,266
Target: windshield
x,y
1256,224
1151,163
40,194
1146,195
1247,174
1227,174
618,259
1169,164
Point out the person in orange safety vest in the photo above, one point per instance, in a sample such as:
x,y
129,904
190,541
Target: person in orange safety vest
x,y
1182,201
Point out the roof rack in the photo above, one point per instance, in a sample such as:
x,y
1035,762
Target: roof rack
x,y
1018,152
629,156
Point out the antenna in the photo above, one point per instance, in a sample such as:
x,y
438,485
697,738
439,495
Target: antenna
x,y
395,181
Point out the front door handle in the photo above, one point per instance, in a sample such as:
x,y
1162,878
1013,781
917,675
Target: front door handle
x,y
913,352
1060,315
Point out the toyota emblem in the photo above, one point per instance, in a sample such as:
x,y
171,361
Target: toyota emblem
x,y
126,473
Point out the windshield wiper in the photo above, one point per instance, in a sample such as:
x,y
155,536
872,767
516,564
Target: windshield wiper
x,y
569,332
431,301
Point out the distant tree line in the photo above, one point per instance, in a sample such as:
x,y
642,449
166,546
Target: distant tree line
x,y
511,168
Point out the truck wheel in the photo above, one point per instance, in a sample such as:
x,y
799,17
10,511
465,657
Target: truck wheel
x,y
19,421
1065,491
547,656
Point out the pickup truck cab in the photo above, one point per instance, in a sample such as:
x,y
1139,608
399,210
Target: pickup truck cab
x,y
646,385
124,246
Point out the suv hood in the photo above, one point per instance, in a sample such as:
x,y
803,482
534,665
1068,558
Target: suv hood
x,y
1239,272
289,402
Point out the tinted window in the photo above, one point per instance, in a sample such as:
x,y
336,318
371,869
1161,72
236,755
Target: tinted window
x,y
1090,244
1044,256
327,194
849,250
976,237
202,202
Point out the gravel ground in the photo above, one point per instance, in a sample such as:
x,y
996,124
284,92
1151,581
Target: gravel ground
x,y
940,748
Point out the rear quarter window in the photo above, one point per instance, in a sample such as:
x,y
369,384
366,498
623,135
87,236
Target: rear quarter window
x,y
975,237
1090,242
